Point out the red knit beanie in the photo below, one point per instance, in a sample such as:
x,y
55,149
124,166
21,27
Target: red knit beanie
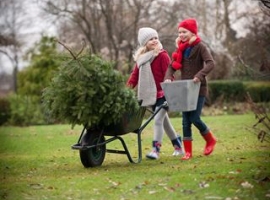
x,y
189,24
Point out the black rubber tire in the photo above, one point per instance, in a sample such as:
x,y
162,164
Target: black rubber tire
x,y
95,156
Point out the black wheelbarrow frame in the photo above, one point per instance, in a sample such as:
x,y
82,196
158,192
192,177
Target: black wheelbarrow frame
x,y
92,142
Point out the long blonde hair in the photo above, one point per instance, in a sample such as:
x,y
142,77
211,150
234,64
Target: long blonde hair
x,y
191,40
143,49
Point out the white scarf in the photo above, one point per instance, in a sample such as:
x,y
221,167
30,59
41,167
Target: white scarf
x,y
147,90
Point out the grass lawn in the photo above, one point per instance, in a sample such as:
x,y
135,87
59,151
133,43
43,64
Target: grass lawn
x,y
37,162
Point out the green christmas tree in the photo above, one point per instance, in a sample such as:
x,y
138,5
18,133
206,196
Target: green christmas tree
x,y
86,90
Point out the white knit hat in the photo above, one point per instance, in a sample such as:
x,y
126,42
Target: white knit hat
x,y
145,34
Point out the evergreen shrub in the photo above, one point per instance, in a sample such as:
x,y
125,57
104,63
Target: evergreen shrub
x,y
25,111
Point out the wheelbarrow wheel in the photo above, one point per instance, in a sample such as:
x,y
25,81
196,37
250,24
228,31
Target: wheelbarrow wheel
x,y
93,157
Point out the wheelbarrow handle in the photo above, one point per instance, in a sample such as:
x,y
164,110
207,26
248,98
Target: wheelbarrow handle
x,y
164,105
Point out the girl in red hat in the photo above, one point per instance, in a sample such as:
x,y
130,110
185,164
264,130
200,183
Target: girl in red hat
x,y
195,62
151,65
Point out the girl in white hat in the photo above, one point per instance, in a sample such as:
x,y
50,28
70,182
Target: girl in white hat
x,y
149,71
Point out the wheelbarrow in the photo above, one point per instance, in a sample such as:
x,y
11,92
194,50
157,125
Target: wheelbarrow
x,y
92,141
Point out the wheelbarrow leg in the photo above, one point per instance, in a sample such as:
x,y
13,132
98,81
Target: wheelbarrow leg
x,y
138,132
126,151
78,144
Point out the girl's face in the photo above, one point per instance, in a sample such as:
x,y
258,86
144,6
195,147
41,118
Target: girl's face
x,y
152,43
184,34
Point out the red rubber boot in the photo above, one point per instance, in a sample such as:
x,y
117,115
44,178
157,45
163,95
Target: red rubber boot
x,y
188,150
210,143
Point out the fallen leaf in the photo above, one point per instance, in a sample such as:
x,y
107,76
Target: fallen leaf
x,y
162,184
233,172
146,183
36,186
152,192
177,185
170,189
213,197
203,185
114,184
138,187
188,191
51,188
265,179
246,185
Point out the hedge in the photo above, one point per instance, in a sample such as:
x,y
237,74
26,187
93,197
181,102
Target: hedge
x,y
236,91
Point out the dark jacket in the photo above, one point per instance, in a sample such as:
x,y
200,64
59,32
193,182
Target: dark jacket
x,y
199,64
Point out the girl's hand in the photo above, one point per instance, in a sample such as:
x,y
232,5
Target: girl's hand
x,y
177,40
196,80
168,81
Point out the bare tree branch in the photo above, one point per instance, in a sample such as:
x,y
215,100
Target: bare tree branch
x,y
6,54
71,53
84,44
266,3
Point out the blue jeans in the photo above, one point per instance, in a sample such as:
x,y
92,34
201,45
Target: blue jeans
x,y
193,117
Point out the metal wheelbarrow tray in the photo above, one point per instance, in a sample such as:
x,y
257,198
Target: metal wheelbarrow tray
x,y
92,142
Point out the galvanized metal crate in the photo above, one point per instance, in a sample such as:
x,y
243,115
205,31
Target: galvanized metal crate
x,y
181,95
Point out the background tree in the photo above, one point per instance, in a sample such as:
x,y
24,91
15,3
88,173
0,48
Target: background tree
x,y
10,25
253,52
26,105
43,61
110,27
265,6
